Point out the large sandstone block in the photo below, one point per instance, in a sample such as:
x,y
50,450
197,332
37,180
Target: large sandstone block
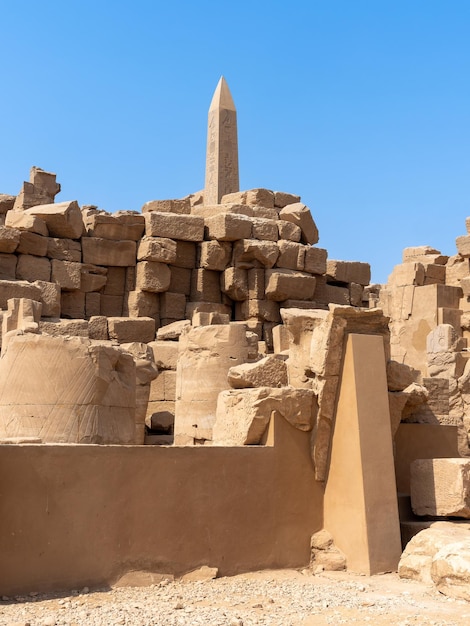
x,y
9,239
72,304
291,255
234,283
289,231
64,249
172,305
248,253
108,252
65,390
251,197
33,268
180,280
282,284
152,276
300,215
183,227
6,203
129,329
205,286
264,229
63,219
179,206
228,227
17,289
67,274
186,253
8,266
440,487
463,245
315,260
143,304
115,281
206,354
266,310
65,328
424,254
282,199
215,255
348,272
25,222
92,277
267,372
31,243
243,414
158,249
165,354
416,562
125,225
410,273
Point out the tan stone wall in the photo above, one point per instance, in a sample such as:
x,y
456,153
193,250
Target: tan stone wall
x,y
83,515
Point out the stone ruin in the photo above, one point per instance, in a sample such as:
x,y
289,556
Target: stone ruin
x,y
212,321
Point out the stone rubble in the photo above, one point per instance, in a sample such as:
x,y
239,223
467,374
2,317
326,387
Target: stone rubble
x,y
271,598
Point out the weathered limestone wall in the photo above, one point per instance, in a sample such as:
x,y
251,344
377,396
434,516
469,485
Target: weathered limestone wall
x,y
83,515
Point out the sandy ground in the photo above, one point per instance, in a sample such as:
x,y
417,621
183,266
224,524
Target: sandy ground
x,y
276,598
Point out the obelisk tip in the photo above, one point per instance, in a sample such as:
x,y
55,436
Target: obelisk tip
x,y
222,98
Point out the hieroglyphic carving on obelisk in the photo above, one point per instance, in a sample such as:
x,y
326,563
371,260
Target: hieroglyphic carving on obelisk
x,y
222,146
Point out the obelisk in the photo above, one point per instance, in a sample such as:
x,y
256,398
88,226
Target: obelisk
x,y
222,146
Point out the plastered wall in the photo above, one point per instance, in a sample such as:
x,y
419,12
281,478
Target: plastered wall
x,y
74,515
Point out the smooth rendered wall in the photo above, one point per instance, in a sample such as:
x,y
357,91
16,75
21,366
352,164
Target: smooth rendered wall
x,y
73,515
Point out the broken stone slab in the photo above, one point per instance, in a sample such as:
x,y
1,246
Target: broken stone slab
x,y
243,414
9,239
98,251
63,219
93,277
172,332
325,556
282,284
66,390
64,328
23,316
440,487
266,310
142,578
268,372
300,215
182,227
249,253
400,375
202,574
25,222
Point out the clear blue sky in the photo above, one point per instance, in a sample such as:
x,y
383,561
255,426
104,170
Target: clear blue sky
x,y
361,107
